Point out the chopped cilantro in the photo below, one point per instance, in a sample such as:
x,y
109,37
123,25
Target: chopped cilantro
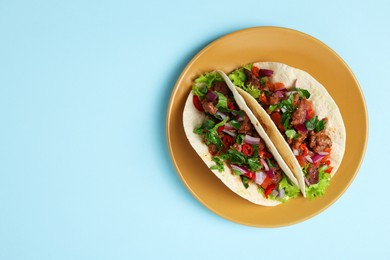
x,y
245,180
315,124
240,138
218,164
303,93
235,124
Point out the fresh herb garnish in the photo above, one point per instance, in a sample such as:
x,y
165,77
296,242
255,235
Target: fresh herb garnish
x,y
303,93
222,101
240,138
211,136
234,157
209,124
262,80
254,164
315,124
218,164
287,105
235,124
237,172
199,129
272,165
286,120
245,180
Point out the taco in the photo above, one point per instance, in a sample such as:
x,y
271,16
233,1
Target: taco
x,y
231,142
299,116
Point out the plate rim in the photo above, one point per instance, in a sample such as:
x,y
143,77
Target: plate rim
x,y
176,87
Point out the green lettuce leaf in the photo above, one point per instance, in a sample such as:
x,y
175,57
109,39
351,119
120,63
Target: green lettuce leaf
x,y
222,101
204,82
238,77
291,191
318,190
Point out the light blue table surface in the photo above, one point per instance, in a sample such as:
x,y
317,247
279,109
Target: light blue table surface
x,y
85,171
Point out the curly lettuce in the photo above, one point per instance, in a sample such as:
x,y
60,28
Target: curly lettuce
x,y
204,82
317,190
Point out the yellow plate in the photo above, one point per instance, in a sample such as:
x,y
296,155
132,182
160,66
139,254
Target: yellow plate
x,y
268,44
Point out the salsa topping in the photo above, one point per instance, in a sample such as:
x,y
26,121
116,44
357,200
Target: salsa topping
x,y
292,112
232,140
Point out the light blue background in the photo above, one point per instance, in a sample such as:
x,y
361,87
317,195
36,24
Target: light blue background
x,y
84,168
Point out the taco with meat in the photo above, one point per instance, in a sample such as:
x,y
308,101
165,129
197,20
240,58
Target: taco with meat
x,y
232,143
299,116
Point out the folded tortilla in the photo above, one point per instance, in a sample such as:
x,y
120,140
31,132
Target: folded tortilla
x,y
323,106
192,118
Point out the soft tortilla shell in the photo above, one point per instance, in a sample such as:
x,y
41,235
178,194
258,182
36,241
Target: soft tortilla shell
x,y
192,118
323,106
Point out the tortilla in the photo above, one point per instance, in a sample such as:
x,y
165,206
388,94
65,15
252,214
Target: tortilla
x,y
323,106
192,118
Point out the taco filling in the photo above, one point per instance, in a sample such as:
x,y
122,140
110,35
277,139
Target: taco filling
x,y
293,114
233,141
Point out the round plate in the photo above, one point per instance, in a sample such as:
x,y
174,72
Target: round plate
x,y
297,50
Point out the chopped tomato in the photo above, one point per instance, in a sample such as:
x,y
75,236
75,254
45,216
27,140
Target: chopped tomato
x,y
220,128
227,141
279,85
247,149
328,150
329,170
262,98
323,160
250,175
255,71
267,182
327,162
304,149
269,189
277,118
310,114
301,159
263,154
197,104
230,106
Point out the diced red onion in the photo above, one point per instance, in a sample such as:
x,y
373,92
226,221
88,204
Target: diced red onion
x,y
323,153
271,174
275,193
307,182
239,168
223,115
282,193
260,177
317,157
301,127
228,127
296,152
265,72
229,132
251,140
239,118
211,95
279,93
264,163
308,158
